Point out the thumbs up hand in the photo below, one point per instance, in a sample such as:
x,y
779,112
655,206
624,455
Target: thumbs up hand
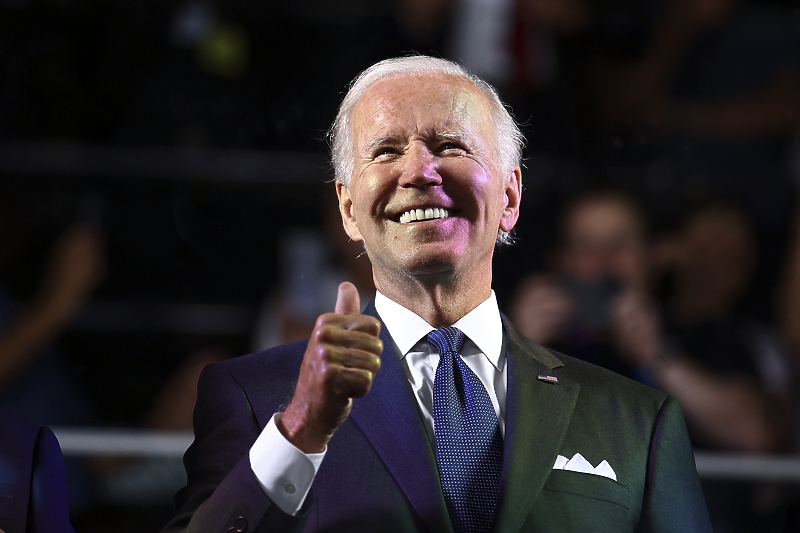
x,y
342,357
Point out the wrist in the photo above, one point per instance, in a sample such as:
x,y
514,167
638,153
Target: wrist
x,y
304,435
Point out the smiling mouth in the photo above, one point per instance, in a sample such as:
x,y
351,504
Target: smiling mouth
x,y
429,213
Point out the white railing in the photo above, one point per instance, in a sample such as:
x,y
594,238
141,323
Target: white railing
x,y
748,467
122,442
141,443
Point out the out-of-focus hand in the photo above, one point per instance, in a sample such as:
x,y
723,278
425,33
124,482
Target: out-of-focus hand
x,y
636,327
541,309
341,359
77,265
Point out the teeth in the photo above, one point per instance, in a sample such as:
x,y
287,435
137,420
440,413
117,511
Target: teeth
x,y
429,213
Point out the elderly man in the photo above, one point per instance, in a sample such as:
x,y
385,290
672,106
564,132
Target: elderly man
x,y
381,421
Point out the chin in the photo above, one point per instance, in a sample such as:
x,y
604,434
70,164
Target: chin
x,y
433,265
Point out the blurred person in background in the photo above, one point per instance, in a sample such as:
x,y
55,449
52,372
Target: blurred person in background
x,y
34,381
598,304
602,251
728,372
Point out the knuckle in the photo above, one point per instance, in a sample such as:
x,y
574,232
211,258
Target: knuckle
x,y
325,320
324,333
327,355
319,333
372,325
329,375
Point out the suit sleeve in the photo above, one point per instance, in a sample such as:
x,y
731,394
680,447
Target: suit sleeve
x,y
673,498
222,493
48,511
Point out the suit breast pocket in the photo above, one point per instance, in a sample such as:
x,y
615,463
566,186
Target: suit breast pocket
x,y
588,486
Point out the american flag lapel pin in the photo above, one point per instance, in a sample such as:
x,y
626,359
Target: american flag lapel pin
x,y
549,379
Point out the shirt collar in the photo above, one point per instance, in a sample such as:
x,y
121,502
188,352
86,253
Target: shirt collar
x,y
482,326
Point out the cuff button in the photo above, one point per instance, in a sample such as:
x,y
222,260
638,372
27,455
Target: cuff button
x,y
289,488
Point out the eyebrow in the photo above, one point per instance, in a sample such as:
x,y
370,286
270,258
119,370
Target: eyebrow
x,y
459,136
383,140
449,135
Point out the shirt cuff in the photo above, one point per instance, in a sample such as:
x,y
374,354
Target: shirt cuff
x,y
284,472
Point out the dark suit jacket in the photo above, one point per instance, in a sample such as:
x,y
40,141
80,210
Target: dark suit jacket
x,y
380,473
33,493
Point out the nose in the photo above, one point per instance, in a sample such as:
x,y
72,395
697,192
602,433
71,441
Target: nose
x,y
420,167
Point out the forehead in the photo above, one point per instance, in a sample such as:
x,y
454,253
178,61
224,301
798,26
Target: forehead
x,y
421,103
603,217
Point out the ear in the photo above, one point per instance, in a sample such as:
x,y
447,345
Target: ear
x,y
346,209
513,196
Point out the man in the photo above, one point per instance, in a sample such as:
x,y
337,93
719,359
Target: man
x,y
428,177
601,253
697,346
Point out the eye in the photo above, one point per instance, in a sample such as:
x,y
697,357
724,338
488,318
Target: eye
x,y
451,147
385,152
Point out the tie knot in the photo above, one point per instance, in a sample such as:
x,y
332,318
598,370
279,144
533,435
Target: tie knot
x,y
447,340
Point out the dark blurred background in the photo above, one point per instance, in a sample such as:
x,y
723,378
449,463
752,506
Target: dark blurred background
x,y
164,172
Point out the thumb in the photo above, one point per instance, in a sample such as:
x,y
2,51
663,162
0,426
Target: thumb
x,y
347,301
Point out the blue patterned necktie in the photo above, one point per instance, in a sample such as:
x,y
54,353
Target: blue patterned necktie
x,y
469,446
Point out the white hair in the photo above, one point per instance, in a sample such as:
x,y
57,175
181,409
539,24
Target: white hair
x,y
508,141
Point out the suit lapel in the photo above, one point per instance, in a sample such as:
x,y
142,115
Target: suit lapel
x,y
537,417
389,418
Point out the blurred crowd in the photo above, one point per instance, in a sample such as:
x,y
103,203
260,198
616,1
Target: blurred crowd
x,y
660,231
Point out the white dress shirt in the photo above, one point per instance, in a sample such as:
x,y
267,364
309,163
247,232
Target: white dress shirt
x,y
286,473
482,352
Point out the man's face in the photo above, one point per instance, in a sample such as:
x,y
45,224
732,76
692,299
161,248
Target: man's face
x,y
423,148
604,239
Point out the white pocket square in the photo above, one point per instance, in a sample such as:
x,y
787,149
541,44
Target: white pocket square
x,y
579,464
